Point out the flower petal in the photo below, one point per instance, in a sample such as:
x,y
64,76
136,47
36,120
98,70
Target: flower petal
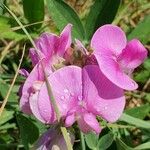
x,y
107,99
81,47
70,119
90,119
133,55
66,84
50,45
65,40
34,106
36,74
109,38
113,71
24,72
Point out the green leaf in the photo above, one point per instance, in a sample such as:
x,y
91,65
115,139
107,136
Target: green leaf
x,y
105,141
1,6
34,11
28,131
102,12
135,121
142,76
142,31
91,140
3,91
139,112
143,146
147,64
62,14
122,146
6,116
7,32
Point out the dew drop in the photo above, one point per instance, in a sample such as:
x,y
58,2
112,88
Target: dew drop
x,y
80,98
66,91
105,108
62,97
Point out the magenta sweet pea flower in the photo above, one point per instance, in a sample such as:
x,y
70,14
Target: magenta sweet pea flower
x,y
52,48
81,95
116,58
52,140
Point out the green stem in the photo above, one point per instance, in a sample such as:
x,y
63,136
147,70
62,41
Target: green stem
x,y
63,129
82,141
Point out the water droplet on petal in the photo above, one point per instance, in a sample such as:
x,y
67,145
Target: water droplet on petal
x,y
105,108
66,91
62,97
80,98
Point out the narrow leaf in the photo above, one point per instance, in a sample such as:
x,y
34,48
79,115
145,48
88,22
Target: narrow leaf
x,y
102,12
28,131
122,146
135,121
143,146
138,112
142,31
6,116
62,14
34,11
105,141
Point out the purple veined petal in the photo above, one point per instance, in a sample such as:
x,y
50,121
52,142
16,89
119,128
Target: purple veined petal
x,y
113,71
34,56
36,74
34,106
45,139
84,127
133,55
24,72
91,121
107,100
81,47
66,84
47,44
65,40
70,119
109,38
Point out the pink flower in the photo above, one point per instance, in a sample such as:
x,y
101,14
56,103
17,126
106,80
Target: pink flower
x,y
51,48
116,58
81,95
52,139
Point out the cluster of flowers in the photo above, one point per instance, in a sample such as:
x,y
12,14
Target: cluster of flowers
x,y
86,83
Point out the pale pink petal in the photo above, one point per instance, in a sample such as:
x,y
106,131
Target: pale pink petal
x,y
66,84
24,72
34,56
70,119
44,106
65,40
108,38
91,121
45,139
113,71
81,47
133,55
84,127
36,74
107,99
33,99
48,44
